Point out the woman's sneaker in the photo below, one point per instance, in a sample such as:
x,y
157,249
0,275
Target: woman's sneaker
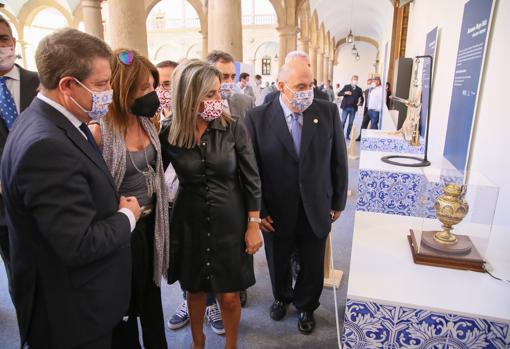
x,y
180,318
213,315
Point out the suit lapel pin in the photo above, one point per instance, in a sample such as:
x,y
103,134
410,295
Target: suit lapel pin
x,y
315,121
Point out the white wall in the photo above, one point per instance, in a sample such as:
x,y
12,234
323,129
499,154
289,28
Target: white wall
x,y
348,65
491,139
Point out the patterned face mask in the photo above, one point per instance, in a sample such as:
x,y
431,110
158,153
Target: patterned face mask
x,y
165,97
227,90
100,102
213,109
301,100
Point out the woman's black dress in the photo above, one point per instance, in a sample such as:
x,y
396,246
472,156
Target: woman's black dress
x,y
218,184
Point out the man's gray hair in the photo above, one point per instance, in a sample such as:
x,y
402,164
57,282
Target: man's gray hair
x,y
294,54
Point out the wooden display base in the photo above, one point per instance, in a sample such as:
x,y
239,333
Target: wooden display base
x,y
332,277
423,254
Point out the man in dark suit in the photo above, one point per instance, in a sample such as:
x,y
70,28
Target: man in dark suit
x,y
302,161
18,88
353,97
69,231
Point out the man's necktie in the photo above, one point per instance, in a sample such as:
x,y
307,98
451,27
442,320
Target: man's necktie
x,y
295,131
7,106
90,138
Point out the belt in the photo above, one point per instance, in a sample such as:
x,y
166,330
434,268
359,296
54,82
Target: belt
x,y
146,210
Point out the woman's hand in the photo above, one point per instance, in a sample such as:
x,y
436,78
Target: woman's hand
x,y
253,238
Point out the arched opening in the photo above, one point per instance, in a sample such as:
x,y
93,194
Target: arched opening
x,y
176,24
46,21
266,60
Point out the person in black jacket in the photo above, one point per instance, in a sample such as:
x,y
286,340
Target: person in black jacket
x,y
301,155
18,88
352,98
69,230
216,210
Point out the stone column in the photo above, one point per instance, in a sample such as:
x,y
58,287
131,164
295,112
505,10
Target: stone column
x,y
312,53
331,67
127,25
205,49
305,44
225,27
325,68
288,38
92,19
320,67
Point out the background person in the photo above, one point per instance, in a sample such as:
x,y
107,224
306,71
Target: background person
x,y
352,98
131,149
216,211
18,87
375,102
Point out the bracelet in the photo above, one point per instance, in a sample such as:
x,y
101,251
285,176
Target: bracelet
x,y
254,219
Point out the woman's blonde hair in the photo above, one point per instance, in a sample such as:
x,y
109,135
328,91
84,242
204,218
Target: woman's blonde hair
x,y
126,77
191,83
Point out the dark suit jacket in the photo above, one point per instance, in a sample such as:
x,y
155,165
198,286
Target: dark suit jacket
x,y
353,100
29,82
317,94
239,104
70,248
318,177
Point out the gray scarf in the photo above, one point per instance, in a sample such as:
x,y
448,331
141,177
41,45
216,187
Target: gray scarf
x,y
114,154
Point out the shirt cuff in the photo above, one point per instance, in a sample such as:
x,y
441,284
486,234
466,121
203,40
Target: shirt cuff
x,y
130,216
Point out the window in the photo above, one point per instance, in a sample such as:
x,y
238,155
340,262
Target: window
x,y
266,66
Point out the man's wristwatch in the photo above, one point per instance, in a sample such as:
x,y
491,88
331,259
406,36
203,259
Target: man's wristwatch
x,y
254,219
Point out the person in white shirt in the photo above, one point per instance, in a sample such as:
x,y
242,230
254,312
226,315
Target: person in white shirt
x,y
375,102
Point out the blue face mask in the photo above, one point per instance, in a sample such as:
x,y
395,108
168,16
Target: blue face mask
x,y
100,102
301,100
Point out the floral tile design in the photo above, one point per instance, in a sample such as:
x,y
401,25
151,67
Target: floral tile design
x,y
403,194
391,145
372,325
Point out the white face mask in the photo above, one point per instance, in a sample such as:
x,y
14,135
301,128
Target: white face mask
x,y
354,82
7,58
373,85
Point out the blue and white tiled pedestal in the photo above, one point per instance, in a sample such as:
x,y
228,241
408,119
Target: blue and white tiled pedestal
x,y
394,303
385,141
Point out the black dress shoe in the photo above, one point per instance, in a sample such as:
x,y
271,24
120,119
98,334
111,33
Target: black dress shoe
x,y
306,322
278,310
243,296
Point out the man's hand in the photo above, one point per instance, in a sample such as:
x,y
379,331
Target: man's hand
x,y
131,203
267,225
348,93
335,215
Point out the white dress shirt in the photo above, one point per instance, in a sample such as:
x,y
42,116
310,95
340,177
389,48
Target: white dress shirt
x,y
76,123
13,85
375,99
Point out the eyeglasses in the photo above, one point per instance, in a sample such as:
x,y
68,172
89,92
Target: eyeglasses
x,y
126,57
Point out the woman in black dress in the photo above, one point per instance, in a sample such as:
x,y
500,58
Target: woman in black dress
x,y
216,211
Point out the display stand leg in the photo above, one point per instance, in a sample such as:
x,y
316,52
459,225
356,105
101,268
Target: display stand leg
x,y
332,277
352,145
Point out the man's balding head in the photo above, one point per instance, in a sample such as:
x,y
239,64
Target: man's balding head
x,y
294,76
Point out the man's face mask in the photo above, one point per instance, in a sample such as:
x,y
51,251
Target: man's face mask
x,y
300,100
100,102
